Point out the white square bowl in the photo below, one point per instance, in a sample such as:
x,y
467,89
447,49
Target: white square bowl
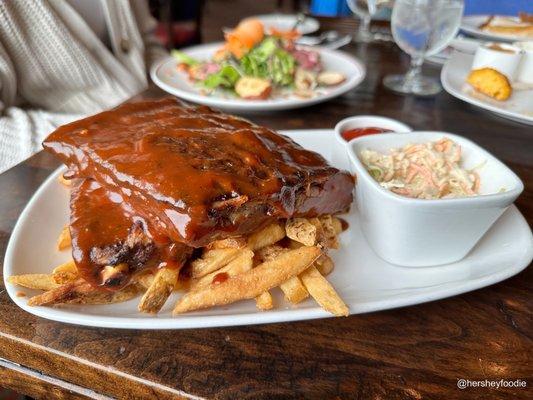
x,y
417,232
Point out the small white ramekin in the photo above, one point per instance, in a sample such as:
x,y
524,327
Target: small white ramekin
x,y
420,233
340,153
524,72
505,62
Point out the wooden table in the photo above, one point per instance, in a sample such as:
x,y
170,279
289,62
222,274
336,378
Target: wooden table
x,y
409,353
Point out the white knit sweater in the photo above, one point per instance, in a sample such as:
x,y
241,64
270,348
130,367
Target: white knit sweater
x,y
53,68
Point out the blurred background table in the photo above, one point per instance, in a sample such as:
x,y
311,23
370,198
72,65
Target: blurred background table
x,y
410,353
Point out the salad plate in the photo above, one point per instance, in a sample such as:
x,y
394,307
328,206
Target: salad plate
x,y
170,78
470,24
364,281
519,107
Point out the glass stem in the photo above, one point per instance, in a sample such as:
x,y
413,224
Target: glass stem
x,y
364,27
415,69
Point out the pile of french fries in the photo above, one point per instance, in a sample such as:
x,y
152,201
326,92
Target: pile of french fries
x,y
291,255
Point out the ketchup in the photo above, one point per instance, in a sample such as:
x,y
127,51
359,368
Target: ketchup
x,y
220,278
350,134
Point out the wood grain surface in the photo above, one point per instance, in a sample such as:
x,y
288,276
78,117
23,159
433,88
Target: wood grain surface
x,y
40,386
416,352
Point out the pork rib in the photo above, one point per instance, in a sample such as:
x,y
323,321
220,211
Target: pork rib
x,y
197,174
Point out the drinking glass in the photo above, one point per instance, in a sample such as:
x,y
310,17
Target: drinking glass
x,y
422,28
365,10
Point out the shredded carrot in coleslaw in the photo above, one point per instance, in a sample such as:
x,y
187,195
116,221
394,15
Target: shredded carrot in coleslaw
x,y
423,171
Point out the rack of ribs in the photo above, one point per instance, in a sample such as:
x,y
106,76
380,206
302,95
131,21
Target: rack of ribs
x,y
156,179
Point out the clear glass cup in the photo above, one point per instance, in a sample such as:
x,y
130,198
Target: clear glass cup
x,y
422,28
365,10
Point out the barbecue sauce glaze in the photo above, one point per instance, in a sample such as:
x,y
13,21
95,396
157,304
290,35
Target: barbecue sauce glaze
x,y
188,175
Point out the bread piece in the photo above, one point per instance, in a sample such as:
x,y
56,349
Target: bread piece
x,y
252,88
330,78
490,82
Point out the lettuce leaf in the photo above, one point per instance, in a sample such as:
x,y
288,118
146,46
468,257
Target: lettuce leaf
x,y
268,60
226,77
184,58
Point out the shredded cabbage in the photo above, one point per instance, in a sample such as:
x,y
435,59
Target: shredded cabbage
x,y
425,170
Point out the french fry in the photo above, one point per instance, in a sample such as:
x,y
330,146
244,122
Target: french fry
x,y
114,272
292,288
302,230
105,297
212,260
145,279
69,266
34,281
242,263
330,232
66,272
293,244
62,180
337,225
61,293
64,277
251,283
265,237
81,292
63,241
216,258
264,301
270,252
322,291
322,238
324,264
159,291
229,243
298,270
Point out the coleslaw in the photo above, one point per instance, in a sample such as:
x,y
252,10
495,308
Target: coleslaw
x,y
423,170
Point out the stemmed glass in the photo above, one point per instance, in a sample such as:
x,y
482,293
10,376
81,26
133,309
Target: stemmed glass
x,y
365,10
422,28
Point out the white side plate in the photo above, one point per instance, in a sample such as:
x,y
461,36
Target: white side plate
x,y
165,74
363,280
470,24
519,107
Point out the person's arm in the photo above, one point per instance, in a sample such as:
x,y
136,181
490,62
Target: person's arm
x,y
147,25
21,131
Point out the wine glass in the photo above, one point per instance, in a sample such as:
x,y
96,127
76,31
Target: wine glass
x,y
422,28
365,10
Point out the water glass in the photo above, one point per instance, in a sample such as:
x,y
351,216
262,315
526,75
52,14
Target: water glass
x,y
365,10
422,28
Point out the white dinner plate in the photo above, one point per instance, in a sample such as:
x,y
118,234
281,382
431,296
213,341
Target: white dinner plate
x,y
364,281
165,74
519,107
470,24
284,22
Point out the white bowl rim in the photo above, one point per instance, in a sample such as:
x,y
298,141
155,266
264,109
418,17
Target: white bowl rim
x,y
338,127
362,173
